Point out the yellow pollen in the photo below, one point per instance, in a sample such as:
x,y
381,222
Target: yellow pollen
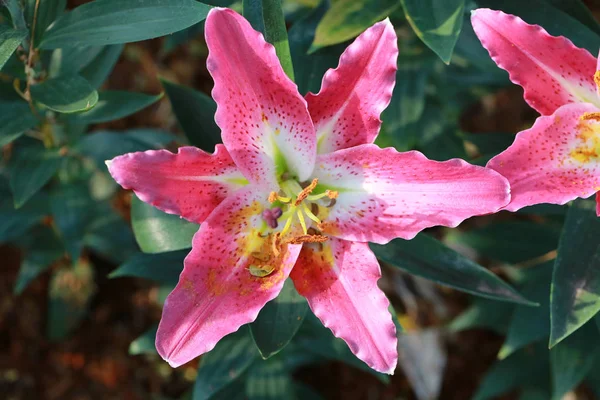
x,y
590,115
332,194
272,197
308,239
306,191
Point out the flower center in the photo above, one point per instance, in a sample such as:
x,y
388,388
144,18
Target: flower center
x,y
587,148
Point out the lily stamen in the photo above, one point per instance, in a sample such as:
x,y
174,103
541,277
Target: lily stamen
x,y
310,214
302,221
306,192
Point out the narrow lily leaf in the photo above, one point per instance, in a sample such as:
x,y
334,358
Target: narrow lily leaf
x,y
158,232
428,258
573,358
511,241
101,66
310,68
553,18
110,236
9,41
15,119
65,94
69,296
115,105
530,324
278,321
71,60
15,9
484,313
195,112
266,16
45,249
145,343
163,267
575,295
230,358
31,167
269,380
104,22
48,11
348,18
437,23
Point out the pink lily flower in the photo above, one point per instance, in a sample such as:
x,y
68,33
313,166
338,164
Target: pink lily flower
x,y
297,189
556,160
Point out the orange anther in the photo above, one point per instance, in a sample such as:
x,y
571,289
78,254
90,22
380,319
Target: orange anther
x,y
306,191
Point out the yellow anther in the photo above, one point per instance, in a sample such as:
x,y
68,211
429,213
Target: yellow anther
x,y
272,197
308,239
302,221
332,194
590,115
306,191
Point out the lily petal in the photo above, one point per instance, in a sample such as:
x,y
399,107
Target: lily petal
x,y
216,293
384,194
264,121
552,70
598,204
190,183
346,110
339,280
555,161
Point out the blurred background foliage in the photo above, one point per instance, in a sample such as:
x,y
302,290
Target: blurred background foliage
x,y
86,266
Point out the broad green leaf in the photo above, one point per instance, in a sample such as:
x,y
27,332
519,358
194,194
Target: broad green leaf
x,y
509,241
484,313
266,16
573,358
230,358
195,112
44,249
48,11
71,290
71,60
15,9
163,267
346,19
15,119
30,168
575,297
9,41
310,68
269,380
72,210
65,94
437,23
552,18
278,321
101,66
428,258
145,343
115,105
578,10
104,22
158,232
526,367
530,324
110,236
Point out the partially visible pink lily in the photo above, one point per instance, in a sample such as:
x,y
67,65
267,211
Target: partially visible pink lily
x,y
558,159
297,190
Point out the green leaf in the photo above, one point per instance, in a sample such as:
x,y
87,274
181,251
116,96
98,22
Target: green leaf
x,y
269,380
44,249
437,23
65,94
104,22
48,11
530,324
526,367
15,119
115,105
552,18
230,358
573,358
310,68
578,10
71,60
72,209
15,9
195,112
509,241
31,167
145,343
575,297
9,41
278,321
110,236
101,66
346,19
484,313
71,290
266,16
428,258
163,267
158,232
